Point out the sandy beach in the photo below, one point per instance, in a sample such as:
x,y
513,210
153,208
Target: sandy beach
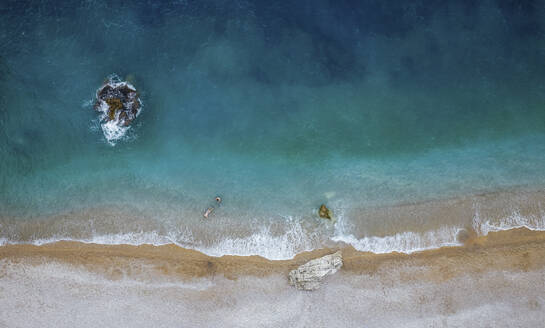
x,y
495,280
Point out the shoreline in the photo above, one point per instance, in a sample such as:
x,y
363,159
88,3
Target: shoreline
x,y
410,227
517,249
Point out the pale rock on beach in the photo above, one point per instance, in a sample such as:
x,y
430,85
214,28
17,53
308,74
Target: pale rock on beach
x,y
309,275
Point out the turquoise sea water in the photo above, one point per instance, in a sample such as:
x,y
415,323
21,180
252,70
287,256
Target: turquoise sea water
x,y
276,107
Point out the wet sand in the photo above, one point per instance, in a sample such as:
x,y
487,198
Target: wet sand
x,y
513,250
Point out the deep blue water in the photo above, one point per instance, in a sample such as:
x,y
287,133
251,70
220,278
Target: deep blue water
x,y
276,106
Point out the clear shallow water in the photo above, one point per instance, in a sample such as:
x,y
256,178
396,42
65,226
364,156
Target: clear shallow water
x,y
277,108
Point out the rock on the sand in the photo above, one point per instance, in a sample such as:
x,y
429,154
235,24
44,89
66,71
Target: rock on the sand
x,y
309,275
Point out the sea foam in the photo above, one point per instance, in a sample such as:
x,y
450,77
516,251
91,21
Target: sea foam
x,y
515,220
263,242
403,242
295,238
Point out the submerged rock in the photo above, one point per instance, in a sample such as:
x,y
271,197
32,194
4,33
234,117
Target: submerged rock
x,y
465,235
325,212
119,104
309,275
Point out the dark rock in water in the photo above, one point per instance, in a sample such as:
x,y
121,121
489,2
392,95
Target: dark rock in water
x,y
325,212
118,101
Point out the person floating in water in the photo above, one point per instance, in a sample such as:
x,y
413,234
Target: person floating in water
x,y
210,209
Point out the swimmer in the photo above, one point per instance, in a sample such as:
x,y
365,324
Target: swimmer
x,y
208,212
212,208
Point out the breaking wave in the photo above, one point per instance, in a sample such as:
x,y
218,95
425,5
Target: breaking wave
x,y
295,238
404,242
